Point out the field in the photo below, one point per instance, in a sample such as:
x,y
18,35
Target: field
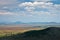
x,y
46,32
7,31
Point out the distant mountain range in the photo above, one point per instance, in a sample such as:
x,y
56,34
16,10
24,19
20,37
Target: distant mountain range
x,y
44,23
6,23
18,22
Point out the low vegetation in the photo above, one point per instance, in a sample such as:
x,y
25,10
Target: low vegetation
x,y
10,31
51,33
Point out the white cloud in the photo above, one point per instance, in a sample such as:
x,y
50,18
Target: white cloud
x,y
35,4
5,7
42,0
49,6
42,13
3,13
21,13
33,7
6,13
29,9
8,5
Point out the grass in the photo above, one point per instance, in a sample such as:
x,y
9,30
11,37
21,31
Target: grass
x,y
8,32
11,32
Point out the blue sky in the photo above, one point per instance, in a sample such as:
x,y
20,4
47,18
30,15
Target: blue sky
x,y
30,10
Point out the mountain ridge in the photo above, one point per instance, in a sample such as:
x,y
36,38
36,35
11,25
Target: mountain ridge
x,y
19,22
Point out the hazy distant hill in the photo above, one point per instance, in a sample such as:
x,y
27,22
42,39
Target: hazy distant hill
x,y
19,22
44,23
11,23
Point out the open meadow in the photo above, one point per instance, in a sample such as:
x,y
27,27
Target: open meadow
x,y
8,31
26,32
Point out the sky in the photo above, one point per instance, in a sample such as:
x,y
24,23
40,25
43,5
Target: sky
x,y
30,10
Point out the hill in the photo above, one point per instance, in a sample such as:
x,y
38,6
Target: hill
x,y
31,23
11,23
51,33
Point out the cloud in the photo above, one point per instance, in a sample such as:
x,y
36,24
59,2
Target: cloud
x,y
30,6
29,9
43,13
6,2
36,4
8,5
37,7
41,8
42,0
6,13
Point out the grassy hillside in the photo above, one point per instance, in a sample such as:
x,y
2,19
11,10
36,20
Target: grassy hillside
x,y
7,31
51,33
